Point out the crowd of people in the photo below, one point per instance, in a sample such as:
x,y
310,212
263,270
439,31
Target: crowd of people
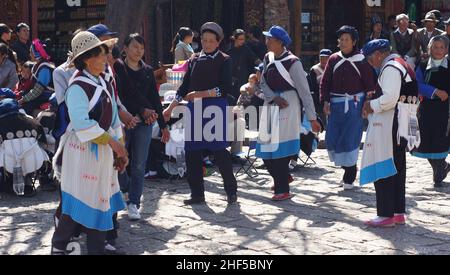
x,y
86,127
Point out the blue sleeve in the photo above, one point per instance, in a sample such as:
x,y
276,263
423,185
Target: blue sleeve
x,y
44,77
78,107
425,89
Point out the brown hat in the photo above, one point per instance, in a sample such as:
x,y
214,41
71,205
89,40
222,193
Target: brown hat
x,y
214,27
430,17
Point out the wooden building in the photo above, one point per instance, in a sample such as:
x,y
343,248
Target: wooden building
x,y
312,23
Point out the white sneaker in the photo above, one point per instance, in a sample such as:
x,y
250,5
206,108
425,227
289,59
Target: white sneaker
x,y
348,186
133,212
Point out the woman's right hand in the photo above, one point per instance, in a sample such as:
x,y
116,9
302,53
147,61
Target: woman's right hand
x,y
327,108
118,148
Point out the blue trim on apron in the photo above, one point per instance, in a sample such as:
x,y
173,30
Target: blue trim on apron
x,y
378,171
284,150
430,155
90,217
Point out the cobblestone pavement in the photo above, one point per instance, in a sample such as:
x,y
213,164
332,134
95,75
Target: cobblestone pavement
x,y
320,219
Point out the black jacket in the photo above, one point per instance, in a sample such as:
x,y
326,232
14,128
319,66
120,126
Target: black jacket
x,y
137,90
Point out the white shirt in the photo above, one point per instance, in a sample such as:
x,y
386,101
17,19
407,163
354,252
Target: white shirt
x,y
391,83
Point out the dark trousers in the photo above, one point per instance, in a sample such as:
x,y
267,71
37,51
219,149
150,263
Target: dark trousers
x,y
439,166
112,235
65,231
350,174
279,170
391,191
194,163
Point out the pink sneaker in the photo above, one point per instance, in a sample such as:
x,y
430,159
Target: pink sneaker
x,y
282,197
400,219
385,223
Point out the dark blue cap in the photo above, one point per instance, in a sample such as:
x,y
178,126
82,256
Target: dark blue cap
x,y
350,30
260,68
325,52
375,45
279,33
101,30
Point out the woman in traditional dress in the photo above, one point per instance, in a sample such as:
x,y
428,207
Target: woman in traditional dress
x,y
205,86
91,150
434,87
346,81
284,84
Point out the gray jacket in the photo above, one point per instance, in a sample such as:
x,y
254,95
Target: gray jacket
x,y
8,75
183,52
423,39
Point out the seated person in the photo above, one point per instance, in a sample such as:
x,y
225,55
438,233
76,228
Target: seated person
x,y
25,82
21,154
251,95
42,79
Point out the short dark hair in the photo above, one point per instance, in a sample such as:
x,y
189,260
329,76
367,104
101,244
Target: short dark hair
x,y
255,31
79,61
136,37
20,26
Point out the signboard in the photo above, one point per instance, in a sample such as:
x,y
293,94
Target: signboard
x,y
306,18
373,3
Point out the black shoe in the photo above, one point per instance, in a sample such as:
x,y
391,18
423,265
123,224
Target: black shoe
x,y
194,201
57,252
232,199
29,191
439,185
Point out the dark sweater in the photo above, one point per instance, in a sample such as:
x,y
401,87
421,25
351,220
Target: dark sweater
x,y
207,72
22,51
137,90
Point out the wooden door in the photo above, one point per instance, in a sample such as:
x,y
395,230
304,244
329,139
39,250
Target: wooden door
x,y
339,13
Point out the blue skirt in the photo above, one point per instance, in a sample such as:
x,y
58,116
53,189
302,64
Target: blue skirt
x,y
214,138
344,132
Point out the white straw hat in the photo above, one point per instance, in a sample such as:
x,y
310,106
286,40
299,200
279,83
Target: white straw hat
x,y
86,41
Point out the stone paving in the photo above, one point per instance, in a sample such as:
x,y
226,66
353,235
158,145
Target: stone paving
x,y
320,219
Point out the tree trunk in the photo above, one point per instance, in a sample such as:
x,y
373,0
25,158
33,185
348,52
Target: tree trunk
x,y
126,17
